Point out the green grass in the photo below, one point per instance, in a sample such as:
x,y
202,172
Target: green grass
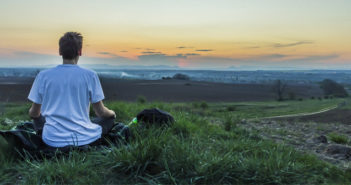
x,y
346,104
274,108
338,138
194,150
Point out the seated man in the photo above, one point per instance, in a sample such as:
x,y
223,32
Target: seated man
x,y
62,95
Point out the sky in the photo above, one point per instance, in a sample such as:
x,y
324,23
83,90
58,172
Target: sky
x,y
190,34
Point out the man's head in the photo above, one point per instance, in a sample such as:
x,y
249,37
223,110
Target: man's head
x,y
71,45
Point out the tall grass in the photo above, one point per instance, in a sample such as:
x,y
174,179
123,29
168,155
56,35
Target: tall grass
x,y
192,151
338,138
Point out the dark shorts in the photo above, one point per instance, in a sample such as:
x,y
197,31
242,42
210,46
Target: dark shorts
x,y
107,124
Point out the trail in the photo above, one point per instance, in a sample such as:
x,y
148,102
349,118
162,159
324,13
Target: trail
x,y
303,114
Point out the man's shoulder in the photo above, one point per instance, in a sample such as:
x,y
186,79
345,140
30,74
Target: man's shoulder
x,y
86,70
78,69
44,71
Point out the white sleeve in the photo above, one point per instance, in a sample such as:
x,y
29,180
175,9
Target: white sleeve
x,y
95,91
36,92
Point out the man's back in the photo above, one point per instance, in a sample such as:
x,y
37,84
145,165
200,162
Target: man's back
x,y
65,93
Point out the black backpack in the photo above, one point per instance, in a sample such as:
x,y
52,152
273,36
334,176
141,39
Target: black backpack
x,y
155,117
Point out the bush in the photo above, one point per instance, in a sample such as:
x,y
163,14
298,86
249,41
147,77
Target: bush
x,y
231,108
230,122
312,98
338,138
279,88
166,78
141,99
331,87
300,99
2,109
292,96
180,76
204,105
196,105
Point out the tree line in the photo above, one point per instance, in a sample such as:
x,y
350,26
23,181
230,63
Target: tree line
x,y
329,87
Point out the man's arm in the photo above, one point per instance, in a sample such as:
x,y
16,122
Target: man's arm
x,y
101,111
34,111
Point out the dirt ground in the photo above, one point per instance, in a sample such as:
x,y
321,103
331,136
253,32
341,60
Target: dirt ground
x,y
342,116
311,134
167,90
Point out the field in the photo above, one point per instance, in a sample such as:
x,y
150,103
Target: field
x,y
209,144
17,89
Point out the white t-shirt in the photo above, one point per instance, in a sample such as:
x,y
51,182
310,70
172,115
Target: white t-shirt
x,y
65,93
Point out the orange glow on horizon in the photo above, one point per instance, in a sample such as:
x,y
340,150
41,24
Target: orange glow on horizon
x,y
227,31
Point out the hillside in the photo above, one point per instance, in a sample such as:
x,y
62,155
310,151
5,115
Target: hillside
x,y
208,144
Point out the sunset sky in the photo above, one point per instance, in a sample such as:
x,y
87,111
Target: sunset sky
x,y
194,34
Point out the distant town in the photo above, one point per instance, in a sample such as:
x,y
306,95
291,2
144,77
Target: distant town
x,y
235,77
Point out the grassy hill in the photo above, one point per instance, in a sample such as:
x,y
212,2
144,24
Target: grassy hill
x,y
206,145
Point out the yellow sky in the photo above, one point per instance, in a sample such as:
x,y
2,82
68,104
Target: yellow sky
x,y
246,32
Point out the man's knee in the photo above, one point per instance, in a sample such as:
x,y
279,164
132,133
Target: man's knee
x,y
39,124
105,123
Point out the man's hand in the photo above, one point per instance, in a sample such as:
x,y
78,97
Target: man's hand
x,y
34,111
101,111
112,113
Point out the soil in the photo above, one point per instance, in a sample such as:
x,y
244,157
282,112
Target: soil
x,y
342,116
17,89
310,134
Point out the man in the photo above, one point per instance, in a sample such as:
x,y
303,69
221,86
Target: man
x,y
61,98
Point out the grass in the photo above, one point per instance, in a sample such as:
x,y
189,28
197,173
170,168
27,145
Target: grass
x,y
192,151
141,99
251,110
338,138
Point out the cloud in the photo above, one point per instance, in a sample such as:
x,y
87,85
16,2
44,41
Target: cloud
x,y
149,49
272,56
188,54
160,55
184,47
123,51
150,52
108,54
161,59
315,58
103,53
280,45
191,54
265,61
204,50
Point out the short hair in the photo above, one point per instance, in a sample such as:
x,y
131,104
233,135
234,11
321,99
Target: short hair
x,y
70,44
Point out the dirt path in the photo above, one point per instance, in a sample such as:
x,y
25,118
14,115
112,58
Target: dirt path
x,y
303,114
310,133
306,137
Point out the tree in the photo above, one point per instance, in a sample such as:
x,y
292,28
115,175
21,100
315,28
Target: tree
x,y
279,88
292,95
180,76
331,87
